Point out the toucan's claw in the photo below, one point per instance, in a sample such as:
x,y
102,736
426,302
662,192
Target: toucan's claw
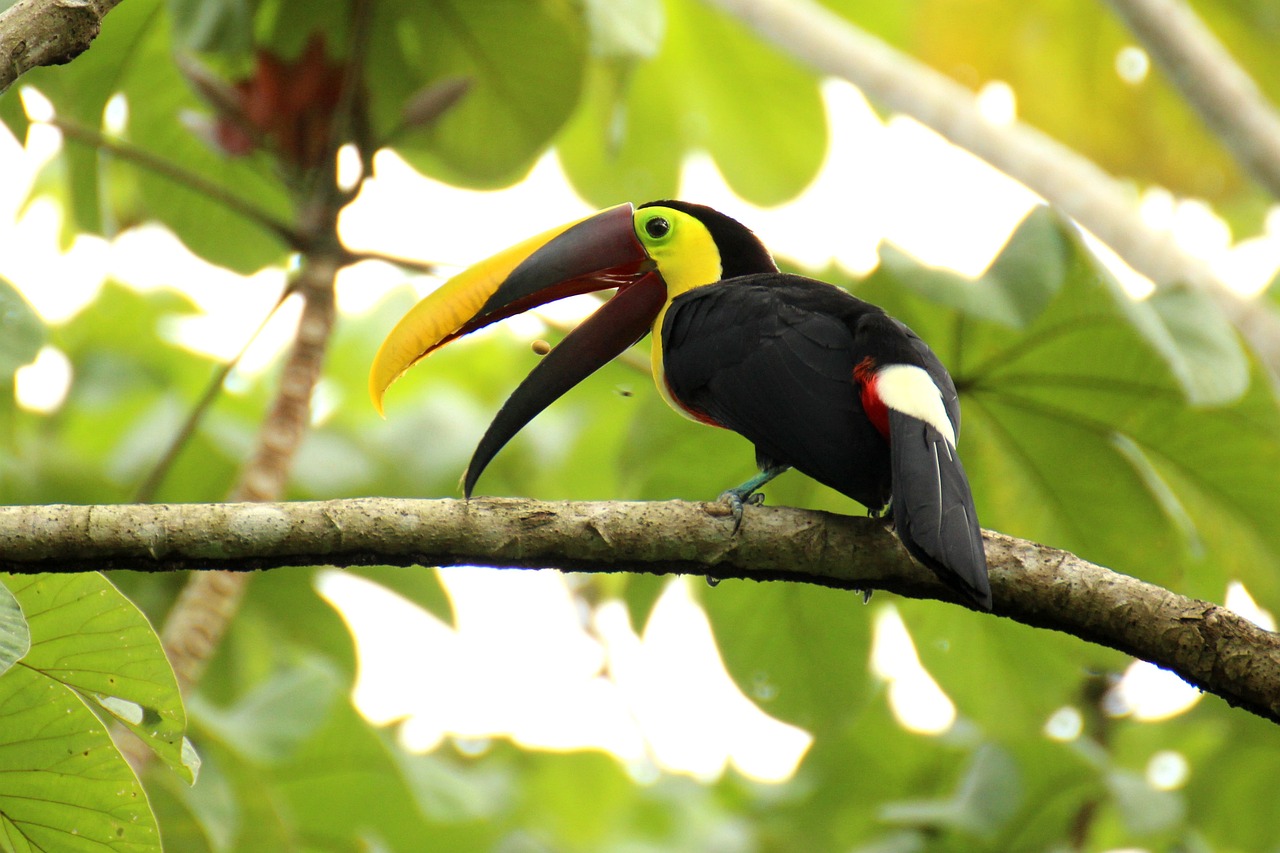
x,y
734,500
749,493
739,498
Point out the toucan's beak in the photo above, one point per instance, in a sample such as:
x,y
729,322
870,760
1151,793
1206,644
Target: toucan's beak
x,y
598,252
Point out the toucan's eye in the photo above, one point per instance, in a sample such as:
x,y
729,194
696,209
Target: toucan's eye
x,y
657,227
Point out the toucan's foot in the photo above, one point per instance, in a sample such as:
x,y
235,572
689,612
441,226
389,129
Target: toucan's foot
x,y
749,493
736,501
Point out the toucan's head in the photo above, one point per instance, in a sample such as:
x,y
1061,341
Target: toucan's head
x,y
672,245
651,254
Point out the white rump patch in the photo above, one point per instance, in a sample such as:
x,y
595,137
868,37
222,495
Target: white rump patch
x,y
910,390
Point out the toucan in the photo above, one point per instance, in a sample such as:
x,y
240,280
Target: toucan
x,y
817,379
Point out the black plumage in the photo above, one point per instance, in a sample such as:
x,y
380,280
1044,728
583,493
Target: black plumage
x,y
773,357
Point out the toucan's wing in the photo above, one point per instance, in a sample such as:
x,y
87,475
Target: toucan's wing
x,y
771,358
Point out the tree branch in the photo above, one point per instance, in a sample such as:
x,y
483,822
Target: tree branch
x,y
1223,93
47,32
1105,206
1207,645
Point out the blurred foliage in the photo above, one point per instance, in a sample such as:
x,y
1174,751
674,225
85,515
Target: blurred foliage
x,y
1138,434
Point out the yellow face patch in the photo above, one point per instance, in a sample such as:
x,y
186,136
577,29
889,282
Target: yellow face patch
x,y
680,246
686,257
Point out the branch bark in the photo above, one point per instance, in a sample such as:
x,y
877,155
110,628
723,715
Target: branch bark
x,y
1104,205
1207,645
1214,84
47,32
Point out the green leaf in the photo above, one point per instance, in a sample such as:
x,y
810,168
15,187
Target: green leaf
x,y
1017,287
89,637
627,30
15,634
331,783
1102,402
525,60
1005,677
225,26
269,724
64,785
799,651
988,795
1144,809
158,99
417,584
21,332
1200,345
715,87
133,56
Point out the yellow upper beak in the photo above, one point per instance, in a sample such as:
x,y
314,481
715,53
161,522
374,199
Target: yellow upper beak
x,y
474,298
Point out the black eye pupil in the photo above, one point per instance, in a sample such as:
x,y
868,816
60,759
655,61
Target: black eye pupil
x,y
657,227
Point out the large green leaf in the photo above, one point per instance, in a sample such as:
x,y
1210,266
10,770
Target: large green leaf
x,y
1098,402
270,723
301,771
89,637
64,785
799,651
524,61
987,797
714,87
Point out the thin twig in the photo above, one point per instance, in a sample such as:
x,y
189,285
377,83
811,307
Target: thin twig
x,y
161,469
166,169
355,256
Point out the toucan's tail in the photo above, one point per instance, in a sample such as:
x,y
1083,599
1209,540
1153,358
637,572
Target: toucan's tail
x,y
933,508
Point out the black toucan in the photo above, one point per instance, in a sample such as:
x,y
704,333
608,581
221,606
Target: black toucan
x,y
815,378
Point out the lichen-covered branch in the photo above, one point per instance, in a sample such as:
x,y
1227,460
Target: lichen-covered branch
x,y
1207,645
47,32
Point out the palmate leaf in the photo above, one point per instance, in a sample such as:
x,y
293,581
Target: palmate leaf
x,y
1101,425
87,636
